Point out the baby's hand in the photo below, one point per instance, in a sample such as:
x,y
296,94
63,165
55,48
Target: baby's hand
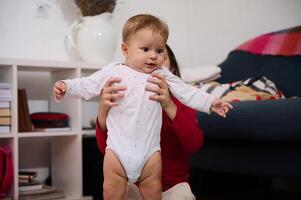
x,y
59,90
221,107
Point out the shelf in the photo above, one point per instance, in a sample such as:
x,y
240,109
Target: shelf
x,y
6,135
58,152
45,134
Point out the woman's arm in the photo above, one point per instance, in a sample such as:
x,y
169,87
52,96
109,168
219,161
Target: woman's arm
x,y
109,95
187,128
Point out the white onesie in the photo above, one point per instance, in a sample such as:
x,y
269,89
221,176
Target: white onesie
x,y
134,125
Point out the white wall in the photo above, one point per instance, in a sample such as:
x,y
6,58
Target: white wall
x,y
220,26
23,35
201,32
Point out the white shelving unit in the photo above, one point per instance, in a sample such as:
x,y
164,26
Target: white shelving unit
x,y
65,159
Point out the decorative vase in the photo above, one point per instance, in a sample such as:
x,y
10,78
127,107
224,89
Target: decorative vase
x,y
92,39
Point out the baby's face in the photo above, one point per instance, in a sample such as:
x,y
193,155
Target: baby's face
x,y
144,51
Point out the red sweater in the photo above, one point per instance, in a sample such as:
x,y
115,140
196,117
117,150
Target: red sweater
x,y
179,138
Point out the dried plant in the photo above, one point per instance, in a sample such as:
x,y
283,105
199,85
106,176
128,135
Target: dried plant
x,y
95,7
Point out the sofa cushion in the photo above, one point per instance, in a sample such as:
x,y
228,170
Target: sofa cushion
x,y
282,70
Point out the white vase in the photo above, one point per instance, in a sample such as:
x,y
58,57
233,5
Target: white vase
x,y
92,38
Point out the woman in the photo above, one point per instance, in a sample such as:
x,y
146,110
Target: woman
x,y
180,133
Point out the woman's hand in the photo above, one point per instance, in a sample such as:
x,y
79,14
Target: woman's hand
x,y
162,94
108,97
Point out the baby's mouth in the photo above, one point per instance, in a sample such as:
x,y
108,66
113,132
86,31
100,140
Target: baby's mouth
x,y
151,65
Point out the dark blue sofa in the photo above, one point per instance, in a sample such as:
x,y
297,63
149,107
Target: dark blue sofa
x,y
261,138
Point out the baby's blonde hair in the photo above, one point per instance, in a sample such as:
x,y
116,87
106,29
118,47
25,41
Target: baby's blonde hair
x,y
141,21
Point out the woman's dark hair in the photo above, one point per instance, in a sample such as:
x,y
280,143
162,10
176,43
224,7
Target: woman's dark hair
x,y
174,67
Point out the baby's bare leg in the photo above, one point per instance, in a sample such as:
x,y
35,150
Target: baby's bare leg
x,y
150,180
115,179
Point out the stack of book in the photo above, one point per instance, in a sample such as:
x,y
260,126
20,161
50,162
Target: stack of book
x,y
5,108
31,188
27,181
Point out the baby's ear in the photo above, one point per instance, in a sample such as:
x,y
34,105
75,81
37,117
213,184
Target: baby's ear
x,y
124,49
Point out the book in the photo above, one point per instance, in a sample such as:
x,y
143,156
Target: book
x,y
4,112
5,121
56,194
4,104
30,187
27,173
27,176
58,129
5,94
44,190
4,129
5,85
25,124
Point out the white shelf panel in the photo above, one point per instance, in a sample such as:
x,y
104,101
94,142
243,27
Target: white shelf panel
x,y
38,77
6,135
45,134
50,63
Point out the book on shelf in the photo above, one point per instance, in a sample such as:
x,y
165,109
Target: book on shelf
x,y
56,129
27,176
4,104
34,185
4,129
27,173
5,92
5,112
5,95
5,85
25,124
58,194
46,192
4,121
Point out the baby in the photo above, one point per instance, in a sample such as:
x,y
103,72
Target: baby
x,y
133,144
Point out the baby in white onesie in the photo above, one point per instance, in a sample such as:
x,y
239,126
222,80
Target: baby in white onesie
x,y
134,125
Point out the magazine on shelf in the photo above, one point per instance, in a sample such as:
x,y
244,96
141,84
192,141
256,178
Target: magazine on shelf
x,y
46,192
4,112
34,185
5,85
27,176
4,104
4,129
5,121
5,92
59,129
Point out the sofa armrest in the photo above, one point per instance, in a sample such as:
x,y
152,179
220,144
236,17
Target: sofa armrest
x,y
256,120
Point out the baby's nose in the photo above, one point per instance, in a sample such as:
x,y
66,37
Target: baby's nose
x,y
153,54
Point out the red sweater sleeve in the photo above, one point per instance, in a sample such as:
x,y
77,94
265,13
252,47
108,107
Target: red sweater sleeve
x,y
101,138
187,128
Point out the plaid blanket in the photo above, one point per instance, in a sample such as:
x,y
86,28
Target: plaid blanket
x,y
251,89
285,42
